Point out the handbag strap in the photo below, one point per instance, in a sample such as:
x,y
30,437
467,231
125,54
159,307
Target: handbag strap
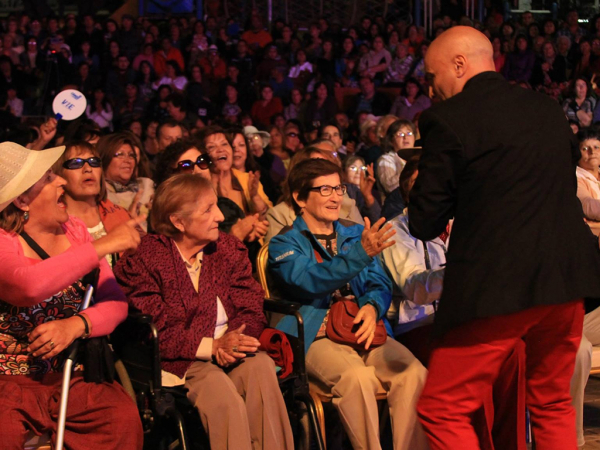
x,y
34,246
88,278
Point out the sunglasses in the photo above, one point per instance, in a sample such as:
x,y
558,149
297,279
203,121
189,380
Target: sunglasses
x,y
187,166
78,163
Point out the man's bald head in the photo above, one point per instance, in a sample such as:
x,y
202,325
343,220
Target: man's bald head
x,y
456,56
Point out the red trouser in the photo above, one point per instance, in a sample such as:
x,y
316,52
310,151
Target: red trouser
x,y
465,365
99,416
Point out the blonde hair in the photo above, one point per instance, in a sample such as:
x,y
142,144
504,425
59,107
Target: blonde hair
x,y
175,196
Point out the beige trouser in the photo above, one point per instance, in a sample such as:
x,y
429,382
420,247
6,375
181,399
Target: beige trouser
x,y
241,408
583,365
354,378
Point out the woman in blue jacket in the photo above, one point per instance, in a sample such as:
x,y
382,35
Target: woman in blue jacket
x,y
322,258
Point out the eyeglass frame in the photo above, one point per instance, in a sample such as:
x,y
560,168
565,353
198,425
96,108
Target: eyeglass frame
x,y
587,148
319,189
401,134
201,159
356,168
89,161
124,155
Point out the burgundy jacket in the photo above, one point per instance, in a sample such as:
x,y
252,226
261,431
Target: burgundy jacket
x,y
156,282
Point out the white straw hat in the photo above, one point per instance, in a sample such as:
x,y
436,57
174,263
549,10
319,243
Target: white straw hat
x,y
250,131
21,168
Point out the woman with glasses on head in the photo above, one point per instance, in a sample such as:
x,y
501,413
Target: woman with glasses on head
x,y
119,162
321,260
183,156
400,135
85,192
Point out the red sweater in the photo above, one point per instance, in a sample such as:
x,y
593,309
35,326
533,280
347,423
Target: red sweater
x,y
156,282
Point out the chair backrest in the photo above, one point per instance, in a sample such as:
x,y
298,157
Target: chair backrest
x,y
261,269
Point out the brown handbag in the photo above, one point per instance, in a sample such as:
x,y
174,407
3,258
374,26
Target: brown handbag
x,y
340,327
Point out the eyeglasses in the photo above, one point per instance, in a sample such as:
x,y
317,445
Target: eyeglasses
x,y
327,190
355,168
78,163
125,155
292,135
401,134
589,148
187,166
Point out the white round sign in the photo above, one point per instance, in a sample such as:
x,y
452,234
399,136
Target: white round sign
x,y
69,104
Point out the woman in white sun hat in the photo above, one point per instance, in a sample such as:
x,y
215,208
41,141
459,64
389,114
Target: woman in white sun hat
x,y
44,256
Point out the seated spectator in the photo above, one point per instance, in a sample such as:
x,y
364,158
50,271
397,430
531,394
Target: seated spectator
x,y
145,78
283,215
374,64
231,108
131,106
519,64
332,132
396,201
271,61
117,79
159,106
588,177
272,169
499,55
295,110
173,77
266,107
321,107
166,53
119,164
177,108
580,104
85,55
167,133
401,134
583,67
208,353
85,192
418,71
411,102
100,111
41,294
276,146
400,66
147,55
320,260
281,84
302,71
244,189
183,157
370,147
550,67
256,37
213,67
369,100
198,42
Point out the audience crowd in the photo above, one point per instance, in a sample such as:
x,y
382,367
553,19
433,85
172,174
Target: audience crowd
x,y
303,139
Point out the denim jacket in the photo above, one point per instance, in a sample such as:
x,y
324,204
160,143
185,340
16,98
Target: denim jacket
x,y
299,277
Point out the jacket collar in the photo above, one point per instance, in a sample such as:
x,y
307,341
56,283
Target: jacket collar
x,y
483,78
340,229
581,172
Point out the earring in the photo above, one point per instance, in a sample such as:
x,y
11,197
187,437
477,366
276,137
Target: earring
x,y
26,216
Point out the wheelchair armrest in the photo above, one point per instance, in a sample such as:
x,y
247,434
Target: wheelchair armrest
x,y
139,317
281,306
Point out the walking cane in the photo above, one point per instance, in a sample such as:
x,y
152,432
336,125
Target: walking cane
x,y
64,394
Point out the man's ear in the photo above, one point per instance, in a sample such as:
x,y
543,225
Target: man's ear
x,y
177,222
460,66
300,203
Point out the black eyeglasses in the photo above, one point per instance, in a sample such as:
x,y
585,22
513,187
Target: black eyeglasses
x,y
78,163
187,166
327,190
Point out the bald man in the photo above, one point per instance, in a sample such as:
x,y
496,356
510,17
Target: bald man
x,y
500,160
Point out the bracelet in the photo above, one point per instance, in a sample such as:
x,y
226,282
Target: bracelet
x,y
86,334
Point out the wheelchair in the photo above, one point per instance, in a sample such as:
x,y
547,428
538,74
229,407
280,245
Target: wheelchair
x,y
170,421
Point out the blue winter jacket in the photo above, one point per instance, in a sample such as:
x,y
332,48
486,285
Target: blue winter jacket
x,y
298,276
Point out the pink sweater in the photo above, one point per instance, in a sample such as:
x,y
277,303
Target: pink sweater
x,y
27,282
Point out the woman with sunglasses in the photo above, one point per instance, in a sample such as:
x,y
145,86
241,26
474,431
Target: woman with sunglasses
x,y
119,163
85,192
183,156
321,260
400,134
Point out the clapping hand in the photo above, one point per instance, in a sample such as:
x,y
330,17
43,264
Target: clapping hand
x,y
375,238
